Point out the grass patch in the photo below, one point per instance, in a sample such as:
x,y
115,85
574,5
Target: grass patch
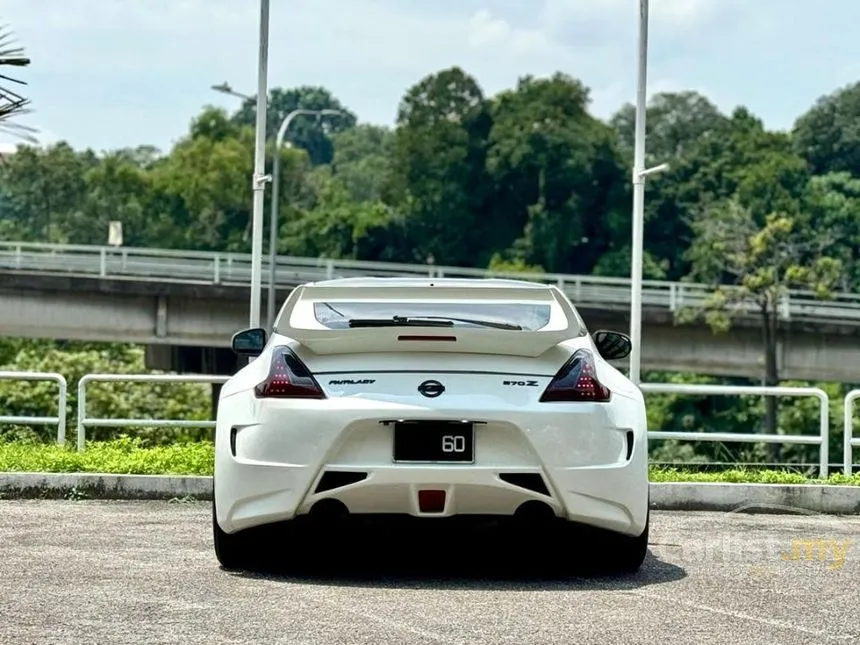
x,y
749,476
120,456
134,456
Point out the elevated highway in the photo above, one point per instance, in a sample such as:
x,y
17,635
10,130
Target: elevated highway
x,y
186,305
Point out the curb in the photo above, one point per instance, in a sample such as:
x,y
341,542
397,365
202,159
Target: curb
x,y
758,498
675,496
103,486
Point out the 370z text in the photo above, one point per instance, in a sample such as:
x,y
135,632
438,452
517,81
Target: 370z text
x,y
521,383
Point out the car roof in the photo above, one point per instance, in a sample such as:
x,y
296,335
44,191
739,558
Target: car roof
x,y
414,281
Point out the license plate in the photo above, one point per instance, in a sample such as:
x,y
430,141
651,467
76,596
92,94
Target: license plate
x,y
434,441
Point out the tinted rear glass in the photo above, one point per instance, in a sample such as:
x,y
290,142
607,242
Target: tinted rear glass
x,y
531,317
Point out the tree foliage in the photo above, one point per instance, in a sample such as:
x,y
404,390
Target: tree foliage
x,y
754,263
309,133
562,201
828,135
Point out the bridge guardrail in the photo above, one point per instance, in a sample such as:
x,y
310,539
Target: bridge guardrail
x,y
84,421
821,439
60,419
235,269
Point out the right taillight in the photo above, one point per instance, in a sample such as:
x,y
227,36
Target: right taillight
x,y
288,378
577,381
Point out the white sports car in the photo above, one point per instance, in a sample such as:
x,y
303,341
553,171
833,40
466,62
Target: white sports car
x,y
431,398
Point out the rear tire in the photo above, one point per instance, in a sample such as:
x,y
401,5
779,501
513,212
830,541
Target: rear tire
x,y
231,549
588,549
625,553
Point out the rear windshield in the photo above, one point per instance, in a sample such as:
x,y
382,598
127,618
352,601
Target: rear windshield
x,y
529,317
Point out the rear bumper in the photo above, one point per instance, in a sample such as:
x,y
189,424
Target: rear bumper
x,y
586,464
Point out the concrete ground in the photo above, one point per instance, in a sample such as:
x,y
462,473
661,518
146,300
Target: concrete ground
x,y
144,572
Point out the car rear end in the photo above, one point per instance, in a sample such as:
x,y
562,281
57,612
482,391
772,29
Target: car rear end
x,y
431,421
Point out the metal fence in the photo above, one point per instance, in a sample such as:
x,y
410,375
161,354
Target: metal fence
x,y
203,267
59,420
819,439
849,442
84,421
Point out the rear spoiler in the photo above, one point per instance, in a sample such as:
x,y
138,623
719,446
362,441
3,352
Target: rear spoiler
x,y
298,322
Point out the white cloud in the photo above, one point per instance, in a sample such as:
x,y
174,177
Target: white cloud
x,y
494,34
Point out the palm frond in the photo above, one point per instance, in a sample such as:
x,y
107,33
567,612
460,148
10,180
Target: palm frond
x,y
13,104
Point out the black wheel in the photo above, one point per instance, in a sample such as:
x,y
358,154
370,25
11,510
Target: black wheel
x,y
624,553
601,551
232,549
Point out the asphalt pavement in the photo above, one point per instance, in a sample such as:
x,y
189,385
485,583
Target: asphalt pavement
x,y
144,572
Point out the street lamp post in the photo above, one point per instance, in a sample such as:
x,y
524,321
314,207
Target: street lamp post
x,y
639,174
273,210
225,88
258,181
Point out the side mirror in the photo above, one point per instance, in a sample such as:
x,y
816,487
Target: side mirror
x,y
249,342
612,345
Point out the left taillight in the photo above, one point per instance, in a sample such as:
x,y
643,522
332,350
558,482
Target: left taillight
x,y
288,378
577,382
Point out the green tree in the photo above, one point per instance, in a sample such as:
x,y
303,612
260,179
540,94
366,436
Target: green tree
x,y
738,158
144,157
498,264
117,189
362,160
201,197
337,226
674,123
833,204
827,135
559,194
752,265
41,188
438,182
309,133
215,125
677,123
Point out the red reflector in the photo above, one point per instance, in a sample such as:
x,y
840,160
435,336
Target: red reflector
x,y
450,339
431,501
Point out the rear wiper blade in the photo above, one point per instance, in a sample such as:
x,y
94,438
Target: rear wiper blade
x,y
481,323
399,321
428,321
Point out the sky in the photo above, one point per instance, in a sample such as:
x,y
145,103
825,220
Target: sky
x,y
107,74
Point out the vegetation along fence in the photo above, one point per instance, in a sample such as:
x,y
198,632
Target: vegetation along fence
x,y
819,439
84,421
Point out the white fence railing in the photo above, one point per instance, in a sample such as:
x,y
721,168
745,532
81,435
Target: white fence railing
x,y
235,269
84,421
59,420
820,439
849,441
